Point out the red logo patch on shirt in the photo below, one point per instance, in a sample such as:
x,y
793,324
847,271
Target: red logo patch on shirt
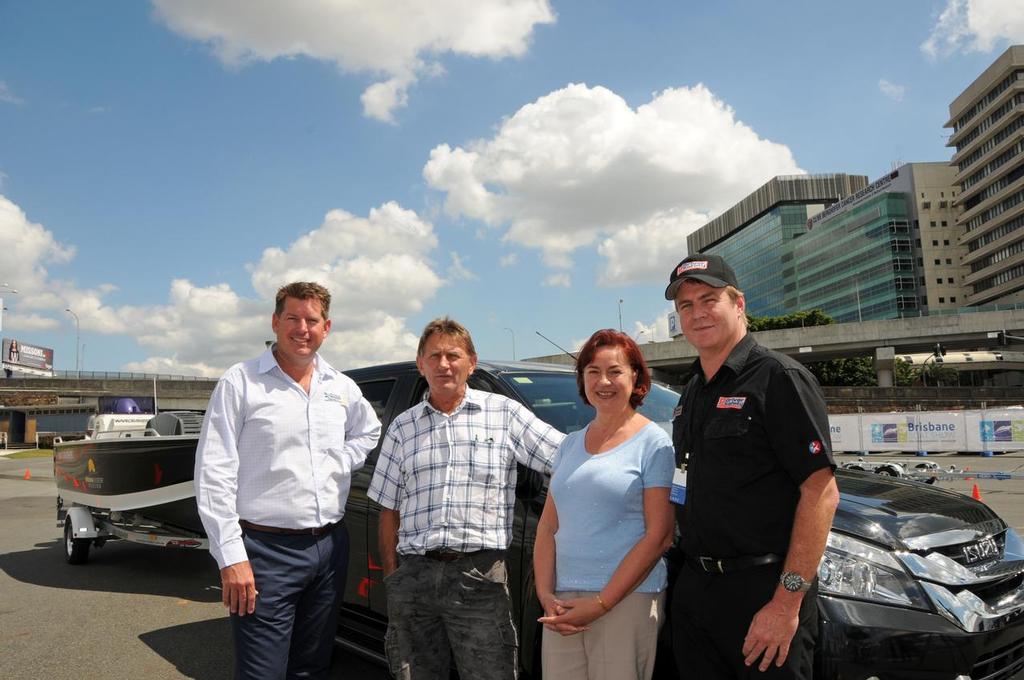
x,y
732,402
815,447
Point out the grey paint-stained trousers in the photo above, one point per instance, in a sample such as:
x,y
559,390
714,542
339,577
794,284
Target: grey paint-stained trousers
x,y
443,610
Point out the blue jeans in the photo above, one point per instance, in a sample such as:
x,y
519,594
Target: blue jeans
x,y
301,581
462,608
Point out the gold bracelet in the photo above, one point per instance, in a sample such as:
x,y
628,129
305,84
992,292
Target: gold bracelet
x,y
605,607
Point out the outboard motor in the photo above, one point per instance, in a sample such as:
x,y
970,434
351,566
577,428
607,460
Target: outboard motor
x,y
174,423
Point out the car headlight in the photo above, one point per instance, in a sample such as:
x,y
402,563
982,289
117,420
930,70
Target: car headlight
x,y
1013,548
852,568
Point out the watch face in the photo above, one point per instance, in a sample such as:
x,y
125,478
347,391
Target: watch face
x,y
793,582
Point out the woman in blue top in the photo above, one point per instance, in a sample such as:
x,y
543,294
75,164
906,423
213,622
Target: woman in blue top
x,y
607,521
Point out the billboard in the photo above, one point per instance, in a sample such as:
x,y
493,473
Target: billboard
x,y
25,358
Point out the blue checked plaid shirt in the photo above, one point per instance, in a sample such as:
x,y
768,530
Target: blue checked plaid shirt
x,y
452,478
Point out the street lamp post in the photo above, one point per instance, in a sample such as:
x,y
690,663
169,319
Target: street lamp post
x,y
620,315
78,335
513,334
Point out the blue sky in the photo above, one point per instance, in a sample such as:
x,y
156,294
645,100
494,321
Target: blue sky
x,y
523,164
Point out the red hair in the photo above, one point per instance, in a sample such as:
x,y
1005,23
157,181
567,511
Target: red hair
x,y
611,338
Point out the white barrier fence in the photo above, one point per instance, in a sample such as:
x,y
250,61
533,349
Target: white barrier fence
x,y
922,431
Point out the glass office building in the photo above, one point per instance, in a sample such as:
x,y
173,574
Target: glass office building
x,y
756,252
857,265
853,250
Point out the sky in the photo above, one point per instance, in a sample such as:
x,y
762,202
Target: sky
x,y
519,165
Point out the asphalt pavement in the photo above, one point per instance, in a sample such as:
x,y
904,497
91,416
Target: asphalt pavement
x,y
139,611
132,611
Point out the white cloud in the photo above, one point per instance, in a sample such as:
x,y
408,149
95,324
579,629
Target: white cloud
x,y
558,280
646,252
377,267
975,26
579,164
7,96
508,260
891,90
393,38
457,271
27,246
655,331
29,322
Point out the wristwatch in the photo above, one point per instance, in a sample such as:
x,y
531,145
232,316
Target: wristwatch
x,y
794,582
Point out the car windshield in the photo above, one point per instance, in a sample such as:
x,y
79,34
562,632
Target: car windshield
x,y
555,398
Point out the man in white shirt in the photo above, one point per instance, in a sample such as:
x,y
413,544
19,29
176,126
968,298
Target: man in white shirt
x,y
446,480
283,434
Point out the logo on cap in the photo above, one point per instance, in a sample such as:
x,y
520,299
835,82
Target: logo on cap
x,y
815,447
695,264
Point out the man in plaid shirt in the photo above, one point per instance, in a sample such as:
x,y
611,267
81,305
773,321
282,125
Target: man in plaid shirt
x,y
446,481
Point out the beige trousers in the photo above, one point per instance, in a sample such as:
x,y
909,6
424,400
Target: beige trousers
x,y
619,646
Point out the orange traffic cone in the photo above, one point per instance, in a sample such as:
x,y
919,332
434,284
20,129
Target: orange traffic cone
x,y
975,493
28,474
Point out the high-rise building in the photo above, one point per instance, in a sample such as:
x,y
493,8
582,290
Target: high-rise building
x,y
988,135
854,250
755,233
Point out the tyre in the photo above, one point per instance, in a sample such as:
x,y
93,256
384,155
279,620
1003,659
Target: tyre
x,y
887,471
76,550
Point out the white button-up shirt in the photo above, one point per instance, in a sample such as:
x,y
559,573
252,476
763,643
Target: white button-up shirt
x,y
271,454
452,477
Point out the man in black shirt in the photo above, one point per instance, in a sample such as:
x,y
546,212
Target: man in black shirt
x,y
752,432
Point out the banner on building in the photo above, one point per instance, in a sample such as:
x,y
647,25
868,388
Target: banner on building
x,y
24,358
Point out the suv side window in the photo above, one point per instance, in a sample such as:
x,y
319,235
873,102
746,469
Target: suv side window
x,y
378,393
477,382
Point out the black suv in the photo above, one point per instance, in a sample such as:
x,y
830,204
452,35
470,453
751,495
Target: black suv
x,y
916,582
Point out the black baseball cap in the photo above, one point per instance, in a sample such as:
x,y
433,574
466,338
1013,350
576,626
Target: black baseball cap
x,y
709,269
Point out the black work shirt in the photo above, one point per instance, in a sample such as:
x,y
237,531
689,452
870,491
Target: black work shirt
x,y
749,438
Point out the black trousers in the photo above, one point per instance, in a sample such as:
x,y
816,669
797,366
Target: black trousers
x,y
711,614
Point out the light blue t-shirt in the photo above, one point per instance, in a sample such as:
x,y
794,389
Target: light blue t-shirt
x,y
599,499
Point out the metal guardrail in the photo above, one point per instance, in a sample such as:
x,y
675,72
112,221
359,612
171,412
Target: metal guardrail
x,y
116,375
964,310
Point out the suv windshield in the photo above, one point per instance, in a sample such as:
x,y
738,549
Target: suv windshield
x,y
555,398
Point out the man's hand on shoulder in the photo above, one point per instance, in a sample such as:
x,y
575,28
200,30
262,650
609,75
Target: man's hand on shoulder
x,y
239,588
772,630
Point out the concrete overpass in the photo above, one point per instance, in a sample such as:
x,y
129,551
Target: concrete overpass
x,y
671,360
183,393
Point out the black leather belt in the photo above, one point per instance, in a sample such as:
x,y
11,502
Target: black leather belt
x,y
727,565
446,555
315,532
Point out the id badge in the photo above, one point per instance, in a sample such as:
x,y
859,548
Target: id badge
x,y
678,493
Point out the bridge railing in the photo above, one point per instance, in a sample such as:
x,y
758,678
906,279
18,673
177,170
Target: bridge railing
x,y
115,375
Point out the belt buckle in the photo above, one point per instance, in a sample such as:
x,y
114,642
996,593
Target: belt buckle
x,y
711,564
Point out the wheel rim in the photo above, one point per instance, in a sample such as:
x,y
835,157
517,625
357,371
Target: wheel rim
x,y
69,540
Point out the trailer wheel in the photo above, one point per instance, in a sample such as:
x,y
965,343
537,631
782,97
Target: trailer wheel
x,y
76,550
887,472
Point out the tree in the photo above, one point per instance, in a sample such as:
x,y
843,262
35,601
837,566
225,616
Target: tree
x,y
854,372
815,317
